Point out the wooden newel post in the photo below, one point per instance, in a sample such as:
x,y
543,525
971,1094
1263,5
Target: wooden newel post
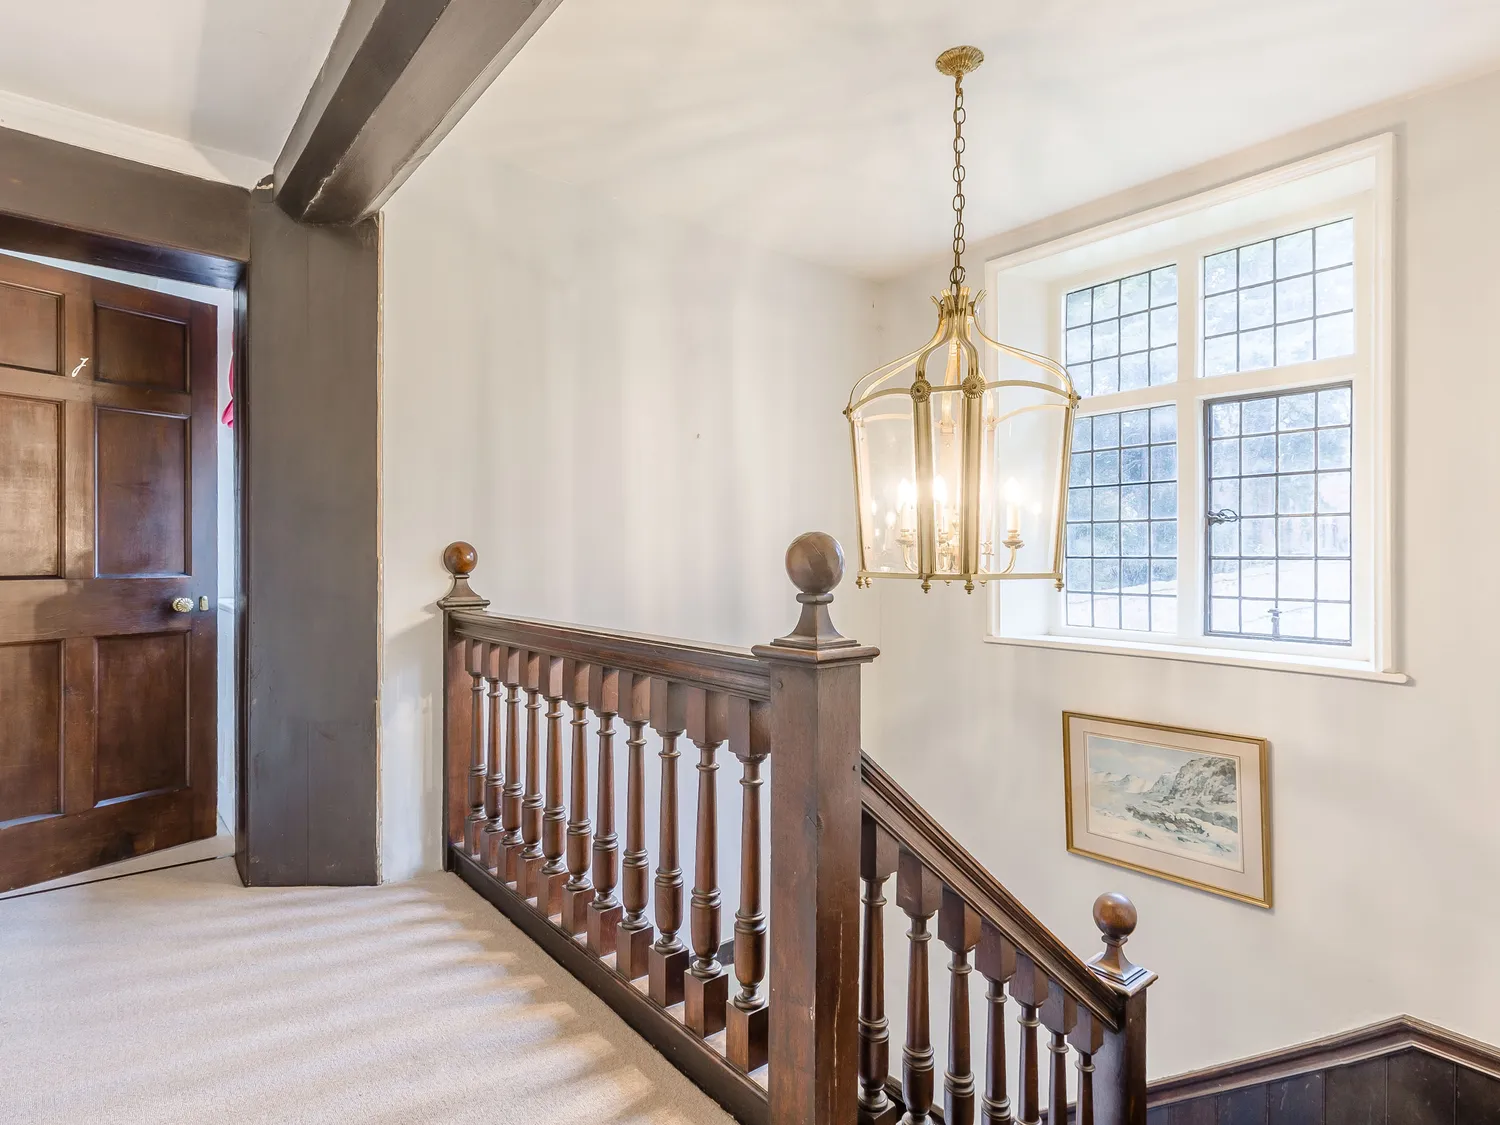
x,y
459,559
815,850
1119,1066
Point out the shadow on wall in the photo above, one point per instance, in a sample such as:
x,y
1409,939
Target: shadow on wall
x,y
411,771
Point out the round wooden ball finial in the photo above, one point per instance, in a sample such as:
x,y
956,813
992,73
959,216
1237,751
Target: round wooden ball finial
x,y
1115,915
460,558
815,563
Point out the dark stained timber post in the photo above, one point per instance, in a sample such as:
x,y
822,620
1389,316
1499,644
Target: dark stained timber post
x,y
706,988
554,816
633,939
474,822
877,863
748,1017
459,559
1060,1017
1119,1077
604,912
531,861
958,927
489,840
815,840
1086,1037
1029,989
578,892
512,793
668,959
996,961
919,894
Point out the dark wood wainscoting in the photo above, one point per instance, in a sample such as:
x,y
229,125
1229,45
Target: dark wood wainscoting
x,y
1402,1072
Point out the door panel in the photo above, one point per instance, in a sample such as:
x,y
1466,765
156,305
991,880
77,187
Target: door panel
x,y
142,493
143,715
31,735
107,515
141,350
30,486
30,328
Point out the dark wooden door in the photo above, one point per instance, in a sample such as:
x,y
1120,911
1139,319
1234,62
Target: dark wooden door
x,y
107,518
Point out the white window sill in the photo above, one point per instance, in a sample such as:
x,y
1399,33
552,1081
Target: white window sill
x,y
1276,662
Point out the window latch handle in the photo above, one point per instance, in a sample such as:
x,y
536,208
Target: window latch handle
x,y
1224,515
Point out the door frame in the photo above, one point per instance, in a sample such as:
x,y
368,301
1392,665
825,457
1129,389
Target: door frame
x,y
82,206
308,813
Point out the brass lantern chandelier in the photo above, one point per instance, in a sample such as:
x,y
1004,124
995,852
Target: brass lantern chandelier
x,y
959,475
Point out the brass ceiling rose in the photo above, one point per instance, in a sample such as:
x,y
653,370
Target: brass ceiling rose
x,y
955,62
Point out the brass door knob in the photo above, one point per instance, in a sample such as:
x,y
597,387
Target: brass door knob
x,y
182,605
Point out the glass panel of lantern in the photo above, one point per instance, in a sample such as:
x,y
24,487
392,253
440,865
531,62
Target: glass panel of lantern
x,y
1023,464
885,452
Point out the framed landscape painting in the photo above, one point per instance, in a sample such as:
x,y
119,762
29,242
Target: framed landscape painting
x,y
1191,806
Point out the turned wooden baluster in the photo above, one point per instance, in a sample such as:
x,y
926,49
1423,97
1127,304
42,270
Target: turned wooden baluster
x,y
1119,1076
474,823
459,559
577,891
1059,1015
877,863
531,804
706,988
508,866
919,894
748,1017
996,961
669,956
633,939
958,928
1029,989
604,911
489,841
554,816
1086,1037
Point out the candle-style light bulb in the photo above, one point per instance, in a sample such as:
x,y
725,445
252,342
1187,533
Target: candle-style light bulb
x,y
1014,495
904,499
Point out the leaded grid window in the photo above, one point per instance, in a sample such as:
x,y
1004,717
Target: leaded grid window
x,y
1280,301
1279,477
1121,335
1121,568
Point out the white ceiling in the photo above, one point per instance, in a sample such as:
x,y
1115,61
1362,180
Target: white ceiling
x,y
820,128
227,75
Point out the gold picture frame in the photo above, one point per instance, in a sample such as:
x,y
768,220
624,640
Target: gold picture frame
x,y
1189,806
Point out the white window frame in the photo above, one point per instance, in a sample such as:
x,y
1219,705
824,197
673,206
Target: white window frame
x,y
1355,180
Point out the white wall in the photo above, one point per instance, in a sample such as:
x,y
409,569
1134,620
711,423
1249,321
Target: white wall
x,y
1383,797
629,419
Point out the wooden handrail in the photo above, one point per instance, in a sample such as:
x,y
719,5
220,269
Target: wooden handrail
x,y
900,815
805,1017
1094,1009
793,702
734,671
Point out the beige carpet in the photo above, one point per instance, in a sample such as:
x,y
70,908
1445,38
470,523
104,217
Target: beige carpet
x,y
180,996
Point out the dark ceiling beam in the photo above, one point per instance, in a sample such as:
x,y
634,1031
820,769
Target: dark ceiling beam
x,y
399,75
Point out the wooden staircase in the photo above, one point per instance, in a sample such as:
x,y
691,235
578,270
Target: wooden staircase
x,y
800,1036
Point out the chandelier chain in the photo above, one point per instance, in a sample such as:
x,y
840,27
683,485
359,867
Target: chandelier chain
x,y
956,274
